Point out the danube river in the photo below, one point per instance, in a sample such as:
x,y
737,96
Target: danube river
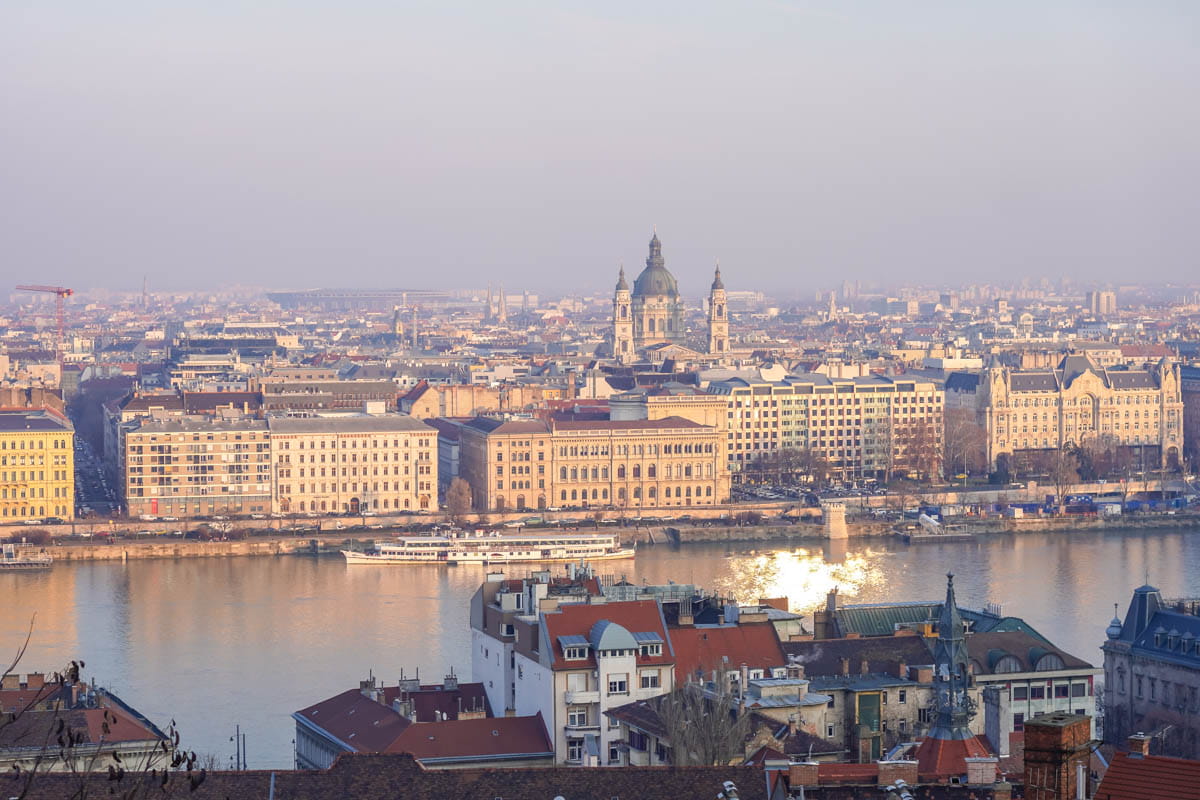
x,y
214,643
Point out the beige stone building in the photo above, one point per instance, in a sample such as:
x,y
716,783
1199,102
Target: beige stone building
x,y
863,427
1027,411
353,463
188,467
628,464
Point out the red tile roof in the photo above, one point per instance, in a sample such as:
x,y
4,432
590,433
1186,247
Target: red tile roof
x,y
727,647
939,759
1130,777
476,738
356,720
435,699
636,616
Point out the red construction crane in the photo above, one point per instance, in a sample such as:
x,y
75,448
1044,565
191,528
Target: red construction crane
x,y
59,293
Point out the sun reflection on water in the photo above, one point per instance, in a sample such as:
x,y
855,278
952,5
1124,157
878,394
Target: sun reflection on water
x,y
801,575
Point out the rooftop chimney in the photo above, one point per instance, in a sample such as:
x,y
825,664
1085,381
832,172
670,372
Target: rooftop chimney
x,y
845,666
1139,744
864,668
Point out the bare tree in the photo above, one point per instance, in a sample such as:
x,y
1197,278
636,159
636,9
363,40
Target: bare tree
x,y
704,725
1063,470
965,443
458,499
85,767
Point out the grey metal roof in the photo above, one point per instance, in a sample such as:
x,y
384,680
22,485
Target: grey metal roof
x,y
12,421
647,637
574,640
350,423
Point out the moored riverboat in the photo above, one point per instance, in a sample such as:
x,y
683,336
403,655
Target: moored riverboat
x,y
493,549
20,559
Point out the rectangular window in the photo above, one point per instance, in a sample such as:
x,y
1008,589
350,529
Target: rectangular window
x,y
637,741
903,697
1037,692
618,684
1062,690
574,750
577,717
650,679
1079,690
1020,693
1018,722
576,653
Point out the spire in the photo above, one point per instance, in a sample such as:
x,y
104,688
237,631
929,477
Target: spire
x,y
622,286
951,672
717,283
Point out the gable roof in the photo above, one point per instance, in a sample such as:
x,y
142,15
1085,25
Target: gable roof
x,y
355,720
986,649
471,739
578,619
823,657
1132,777
704,648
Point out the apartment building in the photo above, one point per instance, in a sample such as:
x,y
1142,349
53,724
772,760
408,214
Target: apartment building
x,y
863,427
375,462
197,467
526,463
37,465
576,662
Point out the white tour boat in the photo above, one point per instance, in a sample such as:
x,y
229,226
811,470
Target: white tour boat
x,y
492,548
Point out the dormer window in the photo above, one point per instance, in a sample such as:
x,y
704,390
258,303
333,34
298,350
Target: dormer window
x,y
652,649
576,653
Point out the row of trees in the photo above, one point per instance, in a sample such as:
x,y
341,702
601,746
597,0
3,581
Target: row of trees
x,y
887,451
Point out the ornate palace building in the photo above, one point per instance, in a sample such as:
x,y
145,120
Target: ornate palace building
x,y
1026,411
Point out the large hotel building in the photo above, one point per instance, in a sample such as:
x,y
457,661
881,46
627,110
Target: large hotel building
x,y
863,427
37,466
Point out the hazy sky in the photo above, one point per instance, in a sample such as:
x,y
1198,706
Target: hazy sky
x,y
421,144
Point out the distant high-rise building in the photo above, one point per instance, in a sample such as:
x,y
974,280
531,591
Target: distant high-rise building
x,y
1102,303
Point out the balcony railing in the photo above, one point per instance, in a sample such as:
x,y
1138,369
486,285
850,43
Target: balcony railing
x,y
580,697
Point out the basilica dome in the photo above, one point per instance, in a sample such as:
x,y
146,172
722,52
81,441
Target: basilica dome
x,y
655,279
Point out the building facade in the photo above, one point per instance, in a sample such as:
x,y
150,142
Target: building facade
x,y
188,467
378,463
627,464
1025,413
653,309
37,466
580,660
862,427
1152,673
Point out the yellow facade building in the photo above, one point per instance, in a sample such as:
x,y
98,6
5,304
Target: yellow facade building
x,y
37,466
623,464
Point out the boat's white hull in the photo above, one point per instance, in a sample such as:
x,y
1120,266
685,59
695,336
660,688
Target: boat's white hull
x,y
353,557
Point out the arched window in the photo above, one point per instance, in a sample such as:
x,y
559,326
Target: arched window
x,y
621,472
652,471
637,471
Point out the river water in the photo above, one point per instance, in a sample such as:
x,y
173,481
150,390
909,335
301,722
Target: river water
x,y
213,643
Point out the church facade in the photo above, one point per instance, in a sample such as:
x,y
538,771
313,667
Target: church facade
x,y
652,313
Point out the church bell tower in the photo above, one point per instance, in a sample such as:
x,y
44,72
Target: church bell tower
x,y
622,321
718,316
